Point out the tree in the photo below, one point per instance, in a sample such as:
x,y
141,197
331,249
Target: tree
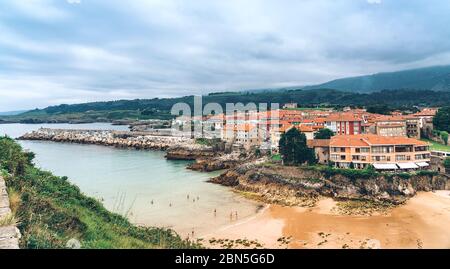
x,y
441,120
294,150
379,109
444,136
447,163
324,134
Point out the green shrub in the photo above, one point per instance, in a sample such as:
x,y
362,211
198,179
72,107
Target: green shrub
x,y
447,163
404,175
53,211
427,173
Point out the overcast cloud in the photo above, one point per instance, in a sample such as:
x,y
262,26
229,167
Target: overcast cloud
x,y
71,51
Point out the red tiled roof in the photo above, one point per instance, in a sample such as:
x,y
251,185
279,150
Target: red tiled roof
x,y
318,143
370,139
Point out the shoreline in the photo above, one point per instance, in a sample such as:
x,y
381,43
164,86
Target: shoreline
x,y
422,222
320,226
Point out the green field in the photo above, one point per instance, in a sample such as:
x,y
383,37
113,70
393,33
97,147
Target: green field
x,y
437,146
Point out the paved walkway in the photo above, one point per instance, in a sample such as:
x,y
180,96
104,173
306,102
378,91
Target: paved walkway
x,y
9,235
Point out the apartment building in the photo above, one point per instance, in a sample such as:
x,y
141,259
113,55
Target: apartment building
x,y
385,153
246,135
344,123
389,126
290,106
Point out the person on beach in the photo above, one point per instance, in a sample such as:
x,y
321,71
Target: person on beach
x,y
215,212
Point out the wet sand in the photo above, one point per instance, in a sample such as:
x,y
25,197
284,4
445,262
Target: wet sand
x,y
423,222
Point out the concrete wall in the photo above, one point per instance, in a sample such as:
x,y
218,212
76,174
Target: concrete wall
x,y
9,235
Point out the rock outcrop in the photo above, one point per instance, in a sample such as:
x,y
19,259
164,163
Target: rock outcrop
x,y
190,152
297,185
220,162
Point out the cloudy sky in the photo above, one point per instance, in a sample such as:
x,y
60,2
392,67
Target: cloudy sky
x,y
71,51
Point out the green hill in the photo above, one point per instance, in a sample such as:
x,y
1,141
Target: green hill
x,y
160,108
436,78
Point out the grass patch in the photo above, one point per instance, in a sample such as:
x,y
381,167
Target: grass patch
x,y
437,146
8,220
249,195
363,207
352,174
276,158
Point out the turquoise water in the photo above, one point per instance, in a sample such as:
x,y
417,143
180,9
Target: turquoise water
x,y
141,185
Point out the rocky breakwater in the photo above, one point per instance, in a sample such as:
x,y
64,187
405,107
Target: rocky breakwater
x,y
305,185
122,139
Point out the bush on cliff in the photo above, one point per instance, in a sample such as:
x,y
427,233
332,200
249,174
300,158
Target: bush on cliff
x,y
51,211
352,174
447,163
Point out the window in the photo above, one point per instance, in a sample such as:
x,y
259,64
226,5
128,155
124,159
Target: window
x,y
379,158
382,149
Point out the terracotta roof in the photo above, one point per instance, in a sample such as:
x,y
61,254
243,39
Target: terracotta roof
x,y
304,128
426,112
370,139
318,143
343,117
390,125
389,118
319,120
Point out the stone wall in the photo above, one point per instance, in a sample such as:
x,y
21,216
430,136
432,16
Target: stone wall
x,y
9,234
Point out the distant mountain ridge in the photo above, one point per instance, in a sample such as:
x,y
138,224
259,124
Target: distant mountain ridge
x,y
12,113
436,78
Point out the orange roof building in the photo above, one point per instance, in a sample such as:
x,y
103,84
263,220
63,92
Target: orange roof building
x,y
389,153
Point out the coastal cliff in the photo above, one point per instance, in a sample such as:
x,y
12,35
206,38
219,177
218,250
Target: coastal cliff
x,y
304,185
222,161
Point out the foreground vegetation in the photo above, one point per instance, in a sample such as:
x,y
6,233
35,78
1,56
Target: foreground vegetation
x,y
50,211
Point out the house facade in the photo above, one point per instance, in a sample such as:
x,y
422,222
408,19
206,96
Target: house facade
x,y
385,153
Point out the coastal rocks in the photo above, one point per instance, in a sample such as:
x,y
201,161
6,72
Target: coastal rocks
x,y
189,152
220,162
290,185
122,139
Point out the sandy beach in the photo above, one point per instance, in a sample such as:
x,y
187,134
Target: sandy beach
x,y
423,222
